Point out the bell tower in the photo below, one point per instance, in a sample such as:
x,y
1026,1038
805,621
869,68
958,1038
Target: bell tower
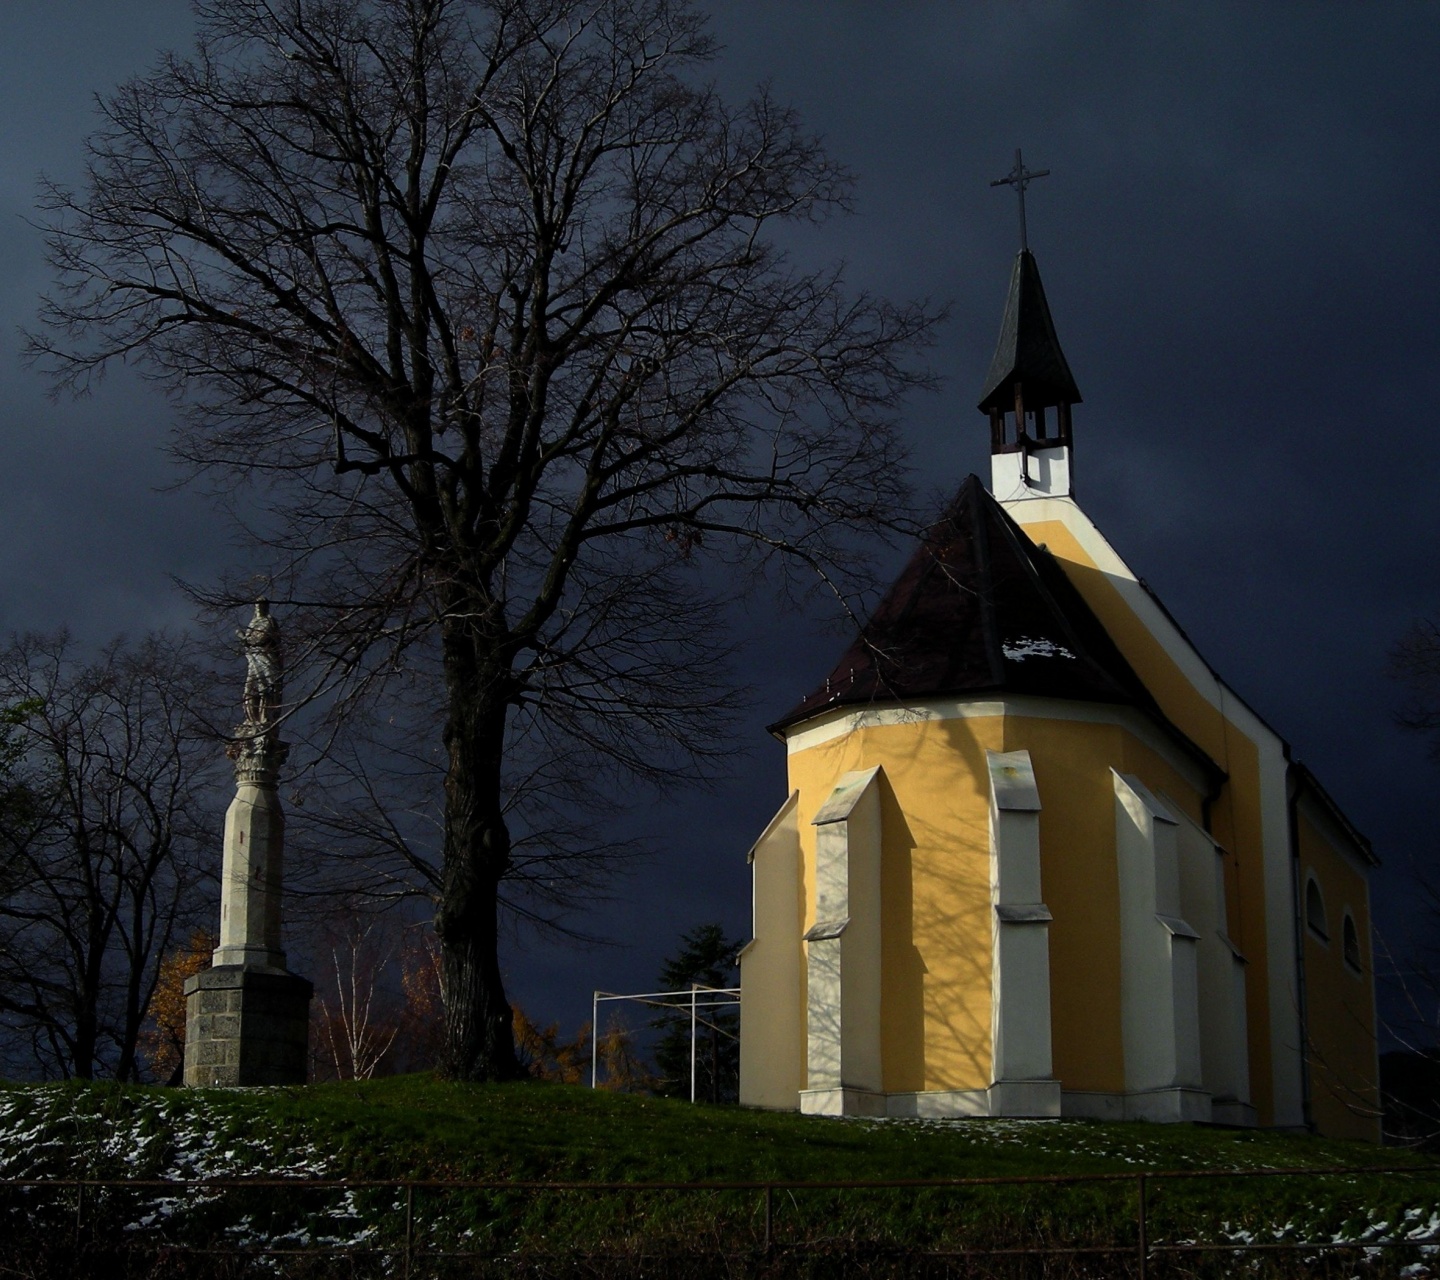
x,y
1029,390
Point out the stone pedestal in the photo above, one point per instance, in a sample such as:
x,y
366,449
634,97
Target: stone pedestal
x,y
246,1026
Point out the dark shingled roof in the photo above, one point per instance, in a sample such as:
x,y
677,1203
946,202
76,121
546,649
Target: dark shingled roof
x,y
981,609
1028,351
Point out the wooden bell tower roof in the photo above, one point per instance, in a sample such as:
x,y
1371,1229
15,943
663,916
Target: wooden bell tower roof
x,y
1028,352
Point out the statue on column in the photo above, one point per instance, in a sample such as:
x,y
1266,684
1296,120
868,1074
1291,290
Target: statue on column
x,y
247,1016
256,747
264,666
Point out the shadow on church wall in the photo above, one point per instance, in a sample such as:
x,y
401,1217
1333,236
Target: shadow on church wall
x,y
937,907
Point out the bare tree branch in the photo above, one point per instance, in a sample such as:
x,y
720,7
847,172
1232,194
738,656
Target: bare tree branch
x,y
104,842
474,310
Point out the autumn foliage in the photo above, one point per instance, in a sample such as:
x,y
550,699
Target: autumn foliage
x,y
545,1056
162,1040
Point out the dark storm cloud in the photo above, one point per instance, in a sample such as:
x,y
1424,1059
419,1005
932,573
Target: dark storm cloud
x,y
1238,242
90,541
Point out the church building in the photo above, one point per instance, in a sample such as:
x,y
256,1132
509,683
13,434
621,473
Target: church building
x,y
1037,858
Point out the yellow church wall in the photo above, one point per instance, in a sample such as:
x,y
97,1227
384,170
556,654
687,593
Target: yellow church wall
x,y
1236,815
1339,1000
1079,878
936,927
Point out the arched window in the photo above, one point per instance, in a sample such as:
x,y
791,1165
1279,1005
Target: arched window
x,y
1315,910
1350,942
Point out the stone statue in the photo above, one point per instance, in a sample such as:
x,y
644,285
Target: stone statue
x,y
264,667
255,747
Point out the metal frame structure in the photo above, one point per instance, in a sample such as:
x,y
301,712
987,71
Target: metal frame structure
x,y
729,998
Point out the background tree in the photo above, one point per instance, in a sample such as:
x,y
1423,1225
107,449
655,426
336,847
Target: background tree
x,y
421,974
17,802
357,1014
482,296
546,1056
110,860
707,957
621,1064
162,1039
1415,664
1410,1070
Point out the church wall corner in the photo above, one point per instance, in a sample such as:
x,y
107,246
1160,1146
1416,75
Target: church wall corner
x,y
934,869
772,1006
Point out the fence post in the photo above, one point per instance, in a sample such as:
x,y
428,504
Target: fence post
x,y
79,1209
409,1226
769,1216
1143,1246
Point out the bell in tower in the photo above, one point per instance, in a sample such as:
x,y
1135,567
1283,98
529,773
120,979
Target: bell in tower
x,y
1029,390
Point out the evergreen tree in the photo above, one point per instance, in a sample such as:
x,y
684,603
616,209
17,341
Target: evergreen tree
x,y
707,958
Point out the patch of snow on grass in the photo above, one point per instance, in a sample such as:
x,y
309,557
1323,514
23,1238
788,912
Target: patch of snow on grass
x,y
55,1133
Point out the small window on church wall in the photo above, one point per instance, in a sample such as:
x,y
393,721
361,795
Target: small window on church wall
x,y
1315,910
1350,942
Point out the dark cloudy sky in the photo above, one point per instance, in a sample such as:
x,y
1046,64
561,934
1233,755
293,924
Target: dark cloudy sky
x,y
1239,245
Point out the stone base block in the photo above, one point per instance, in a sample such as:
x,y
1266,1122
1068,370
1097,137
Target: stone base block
x,y
1087,1104
1033,1098
1228,1111
844,1101
246,1026
1177,1105
1168,1106
939,1104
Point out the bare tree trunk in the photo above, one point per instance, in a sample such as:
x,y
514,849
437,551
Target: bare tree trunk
x,y
86,1039
126,1066
479,1035
86,1042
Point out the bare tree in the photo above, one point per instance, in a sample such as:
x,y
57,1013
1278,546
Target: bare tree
x,y
108,858
1415,664
357,1019
365,821
1410,1068
483,297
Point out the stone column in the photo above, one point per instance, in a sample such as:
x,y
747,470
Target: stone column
x,y
247,1019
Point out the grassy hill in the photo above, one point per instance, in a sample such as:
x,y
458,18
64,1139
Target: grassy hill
x,y
418,1128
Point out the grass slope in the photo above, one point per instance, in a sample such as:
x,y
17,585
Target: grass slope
x,y
417,1127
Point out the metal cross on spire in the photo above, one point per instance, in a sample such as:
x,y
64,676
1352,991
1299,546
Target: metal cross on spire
x,y
1020,177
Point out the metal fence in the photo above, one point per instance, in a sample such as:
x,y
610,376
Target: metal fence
x,y
405,1249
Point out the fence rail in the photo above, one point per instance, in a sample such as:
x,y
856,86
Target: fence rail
x,y
407,1250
